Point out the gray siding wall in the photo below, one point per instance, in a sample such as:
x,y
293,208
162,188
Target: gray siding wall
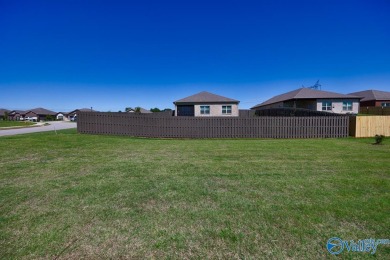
x,y
337,105
216,110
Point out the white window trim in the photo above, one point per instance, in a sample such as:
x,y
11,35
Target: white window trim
x,y
328,104
346,106
225,110
204,106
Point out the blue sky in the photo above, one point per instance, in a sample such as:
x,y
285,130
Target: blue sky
x,y
112,54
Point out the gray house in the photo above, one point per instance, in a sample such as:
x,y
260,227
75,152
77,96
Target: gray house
x,y
139,110
313,99
206,104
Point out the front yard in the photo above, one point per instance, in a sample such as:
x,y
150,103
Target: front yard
x,y
72,196
8,124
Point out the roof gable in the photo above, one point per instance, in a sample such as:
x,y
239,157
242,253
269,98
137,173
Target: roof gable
x,y
42,111
304,93
368,95
13,112
206,97
80,110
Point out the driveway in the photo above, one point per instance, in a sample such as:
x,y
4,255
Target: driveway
x,y
55,125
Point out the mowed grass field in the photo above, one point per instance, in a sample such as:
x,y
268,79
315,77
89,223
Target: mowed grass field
x,y
15,123
72,196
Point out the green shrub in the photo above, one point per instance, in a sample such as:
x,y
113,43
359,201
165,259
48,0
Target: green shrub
x,y
379,139
49,118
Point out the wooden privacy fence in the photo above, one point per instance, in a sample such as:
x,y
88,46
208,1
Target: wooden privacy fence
x,y
369,126
211,127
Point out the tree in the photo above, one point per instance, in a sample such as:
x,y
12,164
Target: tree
x,y
6,116
155,110
136,109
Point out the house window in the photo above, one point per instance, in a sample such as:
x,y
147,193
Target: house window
x,y
226,110
204,110
326,106
347,106
385,104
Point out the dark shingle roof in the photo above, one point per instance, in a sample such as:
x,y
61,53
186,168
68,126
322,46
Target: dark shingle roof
x,y
206,97
42,111
303,93
2,111
368,95
85,110
18,111
80,110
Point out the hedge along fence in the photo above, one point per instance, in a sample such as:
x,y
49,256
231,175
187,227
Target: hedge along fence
x,y
374,110
132,124
289,111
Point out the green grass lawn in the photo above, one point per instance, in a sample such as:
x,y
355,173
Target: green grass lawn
x,y
83,196
15,123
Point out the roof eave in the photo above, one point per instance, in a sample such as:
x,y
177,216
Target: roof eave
x,y
206,102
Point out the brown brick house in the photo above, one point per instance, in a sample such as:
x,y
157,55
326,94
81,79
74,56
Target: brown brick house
x,y
373,98
16,115
38,114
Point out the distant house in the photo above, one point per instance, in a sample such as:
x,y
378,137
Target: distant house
x,y
313,99
72,116
373,98
30,116
3,113
38,114
62,116
141,110
16,115
206,104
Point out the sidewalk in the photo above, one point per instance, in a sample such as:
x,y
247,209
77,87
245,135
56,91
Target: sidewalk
x,y
39,127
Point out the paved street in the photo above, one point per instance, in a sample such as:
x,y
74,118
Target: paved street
x,y
55,125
